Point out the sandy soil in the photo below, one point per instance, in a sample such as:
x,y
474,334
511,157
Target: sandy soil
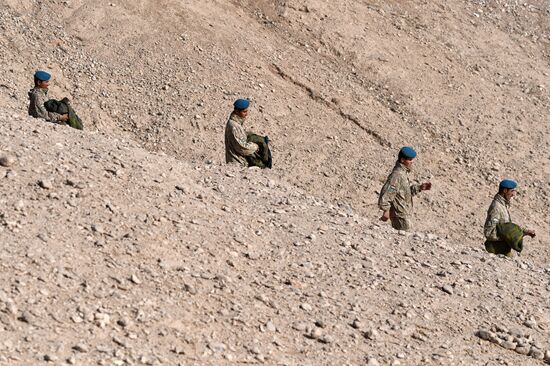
x,y
132,243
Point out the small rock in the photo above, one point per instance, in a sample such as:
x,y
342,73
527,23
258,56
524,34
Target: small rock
x,y
45,183
372,334
7,160
101,319
81,347
485,335
520,341
373,362
97,228
11,174
357,324
135,279
431,237
320,324
190,288
120,342
306,307
547,356
44,237
50,358
448,289
299,326
508,345
418,236
77,319
123,322
315,333
26,317
270,326
524,350
419,336
11,308
254,349
536,353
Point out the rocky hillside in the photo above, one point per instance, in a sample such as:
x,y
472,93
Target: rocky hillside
x,y
114,255
337,87
132,243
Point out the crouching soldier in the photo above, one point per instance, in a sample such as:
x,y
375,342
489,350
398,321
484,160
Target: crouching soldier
x,y
502,235
244,148
396,196
57,111
38,96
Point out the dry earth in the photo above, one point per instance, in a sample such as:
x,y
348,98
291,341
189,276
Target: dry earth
x,y
132,243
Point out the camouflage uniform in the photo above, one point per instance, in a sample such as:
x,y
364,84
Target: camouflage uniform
x,y
498,212
396,196
236,145
37,98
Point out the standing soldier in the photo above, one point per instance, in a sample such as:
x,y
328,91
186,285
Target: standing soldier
x,y
498,214
39,95
396,195
237,148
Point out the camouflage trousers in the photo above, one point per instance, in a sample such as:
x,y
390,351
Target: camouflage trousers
x,y
400,223
498,247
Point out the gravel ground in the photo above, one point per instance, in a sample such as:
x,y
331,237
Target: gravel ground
x,y
132,243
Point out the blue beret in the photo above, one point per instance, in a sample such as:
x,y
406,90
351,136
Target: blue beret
x,y
42,75
508,183
407,152
241,104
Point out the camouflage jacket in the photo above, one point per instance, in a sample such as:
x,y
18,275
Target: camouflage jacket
x,y
498,212
397,193
236,145
37,98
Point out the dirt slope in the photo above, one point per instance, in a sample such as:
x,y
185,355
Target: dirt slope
x,y
114,255
338,87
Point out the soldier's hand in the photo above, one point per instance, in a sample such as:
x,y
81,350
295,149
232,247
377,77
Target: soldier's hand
x,y
385,216
426,186
64,117
530,233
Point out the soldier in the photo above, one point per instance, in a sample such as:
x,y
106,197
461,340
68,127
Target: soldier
x,y
499,213
396,195
39,95
237,147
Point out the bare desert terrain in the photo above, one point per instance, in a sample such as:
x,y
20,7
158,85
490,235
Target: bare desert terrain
x,y
133,243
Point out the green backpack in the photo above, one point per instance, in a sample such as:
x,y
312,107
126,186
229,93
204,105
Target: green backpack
x,y
63,106
511,234
261,158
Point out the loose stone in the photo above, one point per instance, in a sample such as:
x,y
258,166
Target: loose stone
x,y
7,160
536,353
448,289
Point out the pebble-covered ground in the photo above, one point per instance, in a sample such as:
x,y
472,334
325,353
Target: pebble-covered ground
x,y
113,255
133,243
